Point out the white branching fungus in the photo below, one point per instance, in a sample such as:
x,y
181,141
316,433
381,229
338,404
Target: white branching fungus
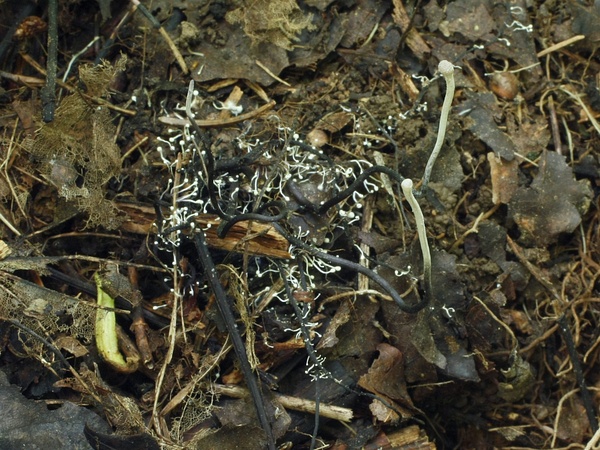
x,y
407,189
446,68
230,106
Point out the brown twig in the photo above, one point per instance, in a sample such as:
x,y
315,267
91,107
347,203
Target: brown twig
x,y
156,24
413,39
139,325
554,126
219,122
295,403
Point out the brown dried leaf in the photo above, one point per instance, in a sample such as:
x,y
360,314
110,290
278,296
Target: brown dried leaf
x,y
382,412
480,110
71,345
471,19
386,375
361,20
586,21
519,380
518,319
342,315
80,141
552,204
277,22
572,422
237,58
533,136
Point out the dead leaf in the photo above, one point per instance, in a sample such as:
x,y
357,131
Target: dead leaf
x,y
572,423
79,142
30,424
480,110
471,19
519,380
71,345
532,136
382,412
361,21
552,205
237,58
243,437
586,21
342,315
386,375
276,22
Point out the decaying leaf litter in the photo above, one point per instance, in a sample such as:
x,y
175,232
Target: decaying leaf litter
x,y
253,259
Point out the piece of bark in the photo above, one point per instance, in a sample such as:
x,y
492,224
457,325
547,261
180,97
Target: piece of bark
x,y
253,237
505,178
413,39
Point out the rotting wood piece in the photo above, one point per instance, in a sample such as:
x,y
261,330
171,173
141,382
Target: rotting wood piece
x,y
247,236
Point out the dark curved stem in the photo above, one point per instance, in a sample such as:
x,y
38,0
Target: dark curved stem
x,y
342,195
226,226
337,261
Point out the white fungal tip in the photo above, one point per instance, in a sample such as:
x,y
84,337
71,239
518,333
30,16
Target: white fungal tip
x,y
446,67
407,183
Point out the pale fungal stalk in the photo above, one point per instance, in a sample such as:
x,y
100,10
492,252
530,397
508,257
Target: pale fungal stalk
x,y
407,189
446,68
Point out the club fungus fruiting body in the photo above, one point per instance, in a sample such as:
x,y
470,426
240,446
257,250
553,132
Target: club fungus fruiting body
x,y
407,189
446,68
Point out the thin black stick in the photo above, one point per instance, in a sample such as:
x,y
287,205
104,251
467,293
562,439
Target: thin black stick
x,y
238,345
44,341
257,216
48,93
360,179
586,398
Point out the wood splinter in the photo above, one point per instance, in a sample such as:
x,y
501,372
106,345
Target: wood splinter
x,y
295,403
247,236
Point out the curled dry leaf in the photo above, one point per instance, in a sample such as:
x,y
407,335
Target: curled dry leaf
x,y
385,379
552,205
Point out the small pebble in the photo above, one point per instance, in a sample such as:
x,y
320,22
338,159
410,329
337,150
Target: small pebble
x,y
505,85
317,138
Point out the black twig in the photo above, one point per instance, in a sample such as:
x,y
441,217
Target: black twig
x,y
357,183
226,226
48,93
43,340
207,158
236,338
586,398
